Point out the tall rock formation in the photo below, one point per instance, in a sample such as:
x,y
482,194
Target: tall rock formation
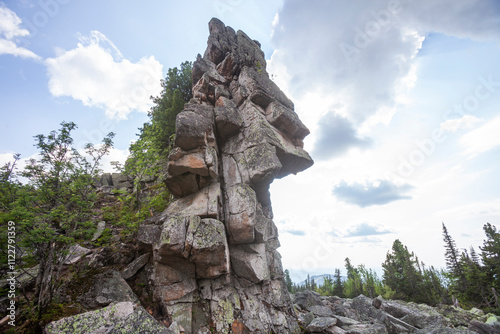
x,y
216,267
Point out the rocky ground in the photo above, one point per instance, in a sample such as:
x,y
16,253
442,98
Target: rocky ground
x,y
112,292
364,315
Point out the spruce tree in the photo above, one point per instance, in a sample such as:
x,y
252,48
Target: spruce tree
x,y
353,286
338,289
490,253
288,281
402,273
452,255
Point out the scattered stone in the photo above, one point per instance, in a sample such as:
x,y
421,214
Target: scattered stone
x,y
476,311
321,324
308,298
100,228
344,321
134,266
483,328
99,290
377,302
75,253
305,319
492,319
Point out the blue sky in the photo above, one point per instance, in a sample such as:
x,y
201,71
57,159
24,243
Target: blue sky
x,y
402,99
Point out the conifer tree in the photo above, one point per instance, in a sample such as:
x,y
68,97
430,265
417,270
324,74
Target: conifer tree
x,y
452,254
338,289
353,286
402,273
288,281
491,259
148,155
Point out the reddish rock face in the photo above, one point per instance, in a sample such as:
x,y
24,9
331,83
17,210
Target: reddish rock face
x,y
217,244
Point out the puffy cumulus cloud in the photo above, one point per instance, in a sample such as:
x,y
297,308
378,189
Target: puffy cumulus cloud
x,y
335,136
366,229
363,52
481,139
96,74
10,30
368,194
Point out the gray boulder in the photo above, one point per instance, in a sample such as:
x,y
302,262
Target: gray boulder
x,y
75,253
307,299
483,328
124,317
95,290
321,325
100,228
135,266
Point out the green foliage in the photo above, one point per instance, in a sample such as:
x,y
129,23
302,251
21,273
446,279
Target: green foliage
x,y
176,91
361,280
55,208
353,287
327,288
401,272
404,276
105,238
288,281
491,255
338,286
9,189
148,155
475,278
472,279
146,165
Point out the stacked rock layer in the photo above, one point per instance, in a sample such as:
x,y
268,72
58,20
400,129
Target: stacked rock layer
x,y
215,259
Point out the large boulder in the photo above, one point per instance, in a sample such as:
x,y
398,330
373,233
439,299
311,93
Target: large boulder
x,y
307,299
93,290
76,253
124,317
195,126
321,325
249,261
192,241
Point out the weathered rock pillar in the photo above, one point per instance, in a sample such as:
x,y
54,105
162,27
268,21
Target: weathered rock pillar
x,y
216,264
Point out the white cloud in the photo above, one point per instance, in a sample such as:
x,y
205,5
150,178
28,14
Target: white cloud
x,y
367,229
10,29
364,52
96,74
366,194
114,155
482,139
10,23
6,158
465,122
